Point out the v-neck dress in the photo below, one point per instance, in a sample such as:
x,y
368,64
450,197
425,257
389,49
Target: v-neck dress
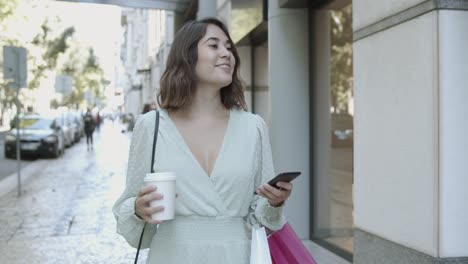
x,y
214,214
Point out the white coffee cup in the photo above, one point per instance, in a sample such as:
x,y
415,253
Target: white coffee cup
x,y
165,183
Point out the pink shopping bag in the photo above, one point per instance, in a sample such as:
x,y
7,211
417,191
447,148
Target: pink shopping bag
x,y
287,248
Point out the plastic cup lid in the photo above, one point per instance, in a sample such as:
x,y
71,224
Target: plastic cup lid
x,y
160,176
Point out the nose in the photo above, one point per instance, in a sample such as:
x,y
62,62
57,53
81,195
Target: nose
x,y
224,52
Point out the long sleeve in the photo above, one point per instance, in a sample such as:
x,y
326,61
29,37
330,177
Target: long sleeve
x,y
261,213
139,162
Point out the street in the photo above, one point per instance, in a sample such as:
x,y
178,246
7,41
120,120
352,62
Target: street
x,y
8,166
64,214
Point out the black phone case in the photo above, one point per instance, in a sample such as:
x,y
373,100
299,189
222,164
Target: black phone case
x,y
284,177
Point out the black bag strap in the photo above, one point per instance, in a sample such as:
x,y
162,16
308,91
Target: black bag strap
x,y
155,138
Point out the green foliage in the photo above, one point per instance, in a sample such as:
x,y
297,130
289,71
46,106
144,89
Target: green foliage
x,y
52,48
7,7
57,46
86,72
341,59
244,20
7,95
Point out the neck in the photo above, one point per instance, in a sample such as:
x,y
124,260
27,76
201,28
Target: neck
x,y
205,103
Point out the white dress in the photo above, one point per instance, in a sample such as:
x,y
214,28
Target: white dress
x,y
214,214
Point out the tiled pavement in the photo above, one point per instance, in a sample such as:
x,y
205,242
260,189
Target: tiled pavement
x,y
64,214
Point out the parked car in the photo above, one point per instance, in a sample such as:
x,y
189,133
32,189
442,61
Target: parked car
x,y
342,130
78,119
68,128
74,126
39,135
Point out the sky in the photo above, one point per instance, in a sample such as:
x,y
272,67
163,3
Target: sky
x,y
96,25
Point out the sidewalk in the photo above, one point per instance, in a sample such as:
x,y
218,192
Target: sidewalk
x,y
64,214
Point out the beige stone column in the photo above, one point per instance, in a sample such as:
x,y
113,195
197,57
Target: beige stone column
x,y
411,68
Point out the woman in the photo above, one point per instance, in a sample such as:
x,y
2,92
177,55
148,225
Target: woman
x,y
220,153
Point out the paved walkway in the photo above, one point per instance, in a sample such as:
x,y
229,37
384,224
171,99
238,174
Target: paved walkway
x,y
64,214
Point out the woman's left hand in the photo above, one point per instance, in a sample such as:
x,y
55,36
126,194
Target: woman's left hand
x,y
276,197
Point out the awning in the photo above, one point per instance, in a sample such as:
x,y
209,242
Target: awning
x,y
175,5
330,4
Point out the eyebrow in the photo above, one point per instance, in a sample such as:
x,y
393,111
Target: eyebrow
x,y
217,40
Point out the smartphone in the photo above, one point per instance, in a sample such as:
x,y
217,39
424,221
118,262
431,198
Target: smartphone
x,y
284,177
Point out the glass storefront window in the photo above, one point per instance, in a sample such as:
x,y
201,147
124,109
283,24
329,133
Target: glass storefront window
x,y
333,113
246,15
261,98
342,130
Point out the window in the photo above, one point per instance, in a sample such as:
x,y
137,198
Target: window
x,y
333,178
341,111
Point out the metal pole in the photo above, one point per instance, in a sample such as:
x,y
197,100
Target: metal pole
x,y
18,148
18,152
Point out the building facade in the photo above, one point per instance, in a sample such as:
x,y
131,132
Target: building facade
x,y
410,155
367,100
148,35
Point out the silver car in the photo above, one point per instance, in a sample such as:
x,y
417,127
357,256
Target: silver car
x,y
67,128
39,135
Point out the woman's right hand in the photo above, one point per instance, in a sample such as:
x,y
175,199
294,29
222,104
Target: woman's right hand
x,y
142,204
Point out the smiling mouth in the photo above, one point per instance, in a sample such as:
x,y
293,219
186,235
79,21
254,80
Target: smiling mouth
x,y
224,66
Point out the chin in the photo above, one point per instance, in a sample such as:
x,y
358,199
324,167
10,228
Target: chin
x,y
224,82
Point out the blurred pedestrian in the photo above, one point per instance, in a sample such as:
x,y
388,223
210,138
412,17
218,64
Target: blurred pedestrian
x,y
131,122
98,121
220,153
147,108
30,111
89,128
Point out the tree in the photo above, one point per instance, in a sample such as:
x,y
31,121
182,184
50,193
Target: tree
x,y
7,7
7,96
341,59
43,52
51,50
86,72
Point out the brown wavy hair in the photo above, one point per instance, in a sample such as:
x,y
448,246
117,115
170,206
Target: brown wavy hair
x,y
179,81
